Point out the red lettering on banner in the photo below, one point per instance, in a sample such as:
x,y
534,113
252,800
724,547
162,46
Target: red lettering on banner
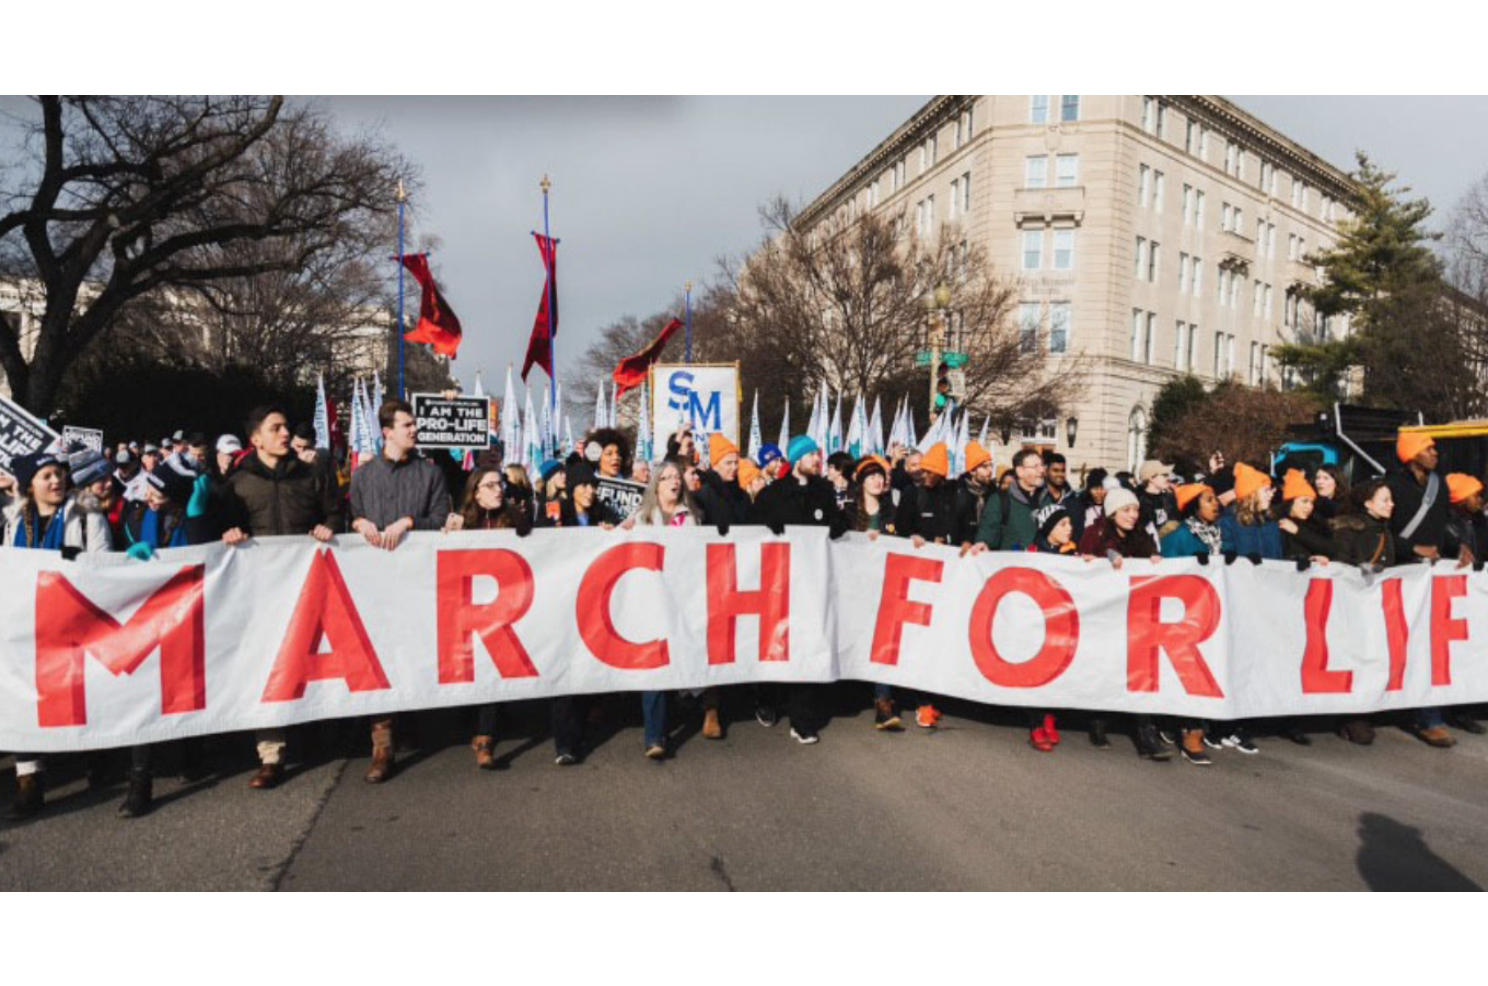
x,y
1147,635
1444,628
770,602
1397,632
1316,678
1061,629
69,627
595,625
325,611
895,608
459,619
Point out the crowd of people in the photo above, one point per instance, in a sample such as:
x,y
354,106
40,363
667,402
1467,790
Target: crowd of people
x,y
188,490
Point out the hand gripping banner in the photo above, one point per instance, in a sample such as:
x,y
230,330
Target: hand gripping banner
x,y
107,651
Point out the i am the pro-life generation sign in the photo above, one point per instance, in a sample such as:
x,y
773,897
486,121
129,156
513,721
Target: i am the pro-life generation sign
x,y
451,422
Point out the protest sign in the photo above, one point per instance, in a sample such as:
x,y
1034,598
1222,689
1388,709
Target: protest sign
x,y
451,422
704,396
20,434
623,496
73,436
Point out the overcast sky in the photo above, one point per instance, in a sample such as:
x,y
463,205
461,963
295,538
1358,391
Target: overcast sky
x,y
648,192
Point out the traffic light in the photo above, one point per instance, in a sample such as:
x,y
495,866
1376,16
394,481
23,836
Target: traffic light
x,y
942,384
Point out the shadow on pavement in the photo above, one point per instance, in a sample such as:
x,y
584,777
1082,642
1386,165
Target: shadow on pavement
x,y
1393,856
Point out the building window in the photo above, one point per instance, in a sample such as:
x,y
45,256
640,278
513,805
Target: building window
x,y
1152,263
1064,249
1036,171
1198,276
1059,327
1149,113
1226,217
1033,249
1224,285
1219,355
1136,438
963,128
955,198
1204,146
1270,239
1187,205
1260,237
1162,121
966,194
1199,210
1139,321
1232,156
1296,194
1265,355
925,215
1150,338
1184,266
1144,186
1180,346
1141,256
1190,363
1038,109
1157,190
1267,307
1028,326
1067,170
1255,307
1191,136
1230,355
1069,109
1268,173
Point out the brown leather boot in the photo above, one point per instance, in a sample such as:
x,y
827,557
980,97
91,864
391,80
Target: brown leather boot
x,y
712,727
382,753
269,775
30,797
485,752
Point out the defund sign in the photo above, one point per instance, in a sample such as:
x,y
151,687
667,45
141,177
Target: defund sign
x,y
701,395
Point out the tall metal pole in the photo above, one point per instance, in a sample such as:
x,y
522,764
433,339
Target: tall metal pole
x,y
402,198
687,343
545,184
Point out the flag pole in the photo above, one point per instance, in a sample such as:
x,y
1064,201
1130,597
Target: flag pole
x,y
402,197
687,289
546,185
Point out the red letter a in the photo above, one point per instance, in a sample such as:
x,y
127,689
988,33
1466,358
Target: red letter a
x,y
324,612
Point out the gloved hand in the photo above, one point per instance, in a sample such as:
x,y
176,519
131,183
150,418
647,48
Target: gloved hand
x,y
1303,564
197,505
1254,558
140,551
1203,557
1229,557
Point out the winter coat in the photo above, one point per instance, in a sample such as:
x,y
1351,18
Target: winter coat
x,y
85,526
292,498
788,501
1408,494
938,514
1248,540
1464,530
1105,540
724,504
1314,538
1359,539
1010,520
385,492
1182,542
132,523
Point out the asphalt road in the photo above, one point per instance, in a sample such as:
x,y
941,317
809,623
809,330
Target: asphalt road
x,y
967,806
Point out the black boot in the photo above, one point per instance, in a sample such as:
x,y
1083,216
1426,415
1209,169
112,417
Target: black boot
x,y
1098,738
30,797
1149,747
140,796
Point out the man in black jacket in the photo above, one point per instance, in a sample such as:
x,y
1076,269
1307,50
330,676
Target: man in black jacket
x,y
724,503
273,493
397,492
931,510
802,498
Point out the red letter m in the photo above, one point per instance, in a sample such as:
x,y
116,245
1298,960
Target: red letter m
x,y
69,626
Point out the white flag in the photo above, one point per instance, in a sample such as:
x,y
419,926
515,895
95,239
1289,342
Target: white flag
x,y
511,430
754,430
322,415
600,414
644,440
785,435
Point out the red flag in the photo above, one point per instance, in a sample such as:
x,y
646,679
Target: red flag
x,y
538,351
437,324
630,371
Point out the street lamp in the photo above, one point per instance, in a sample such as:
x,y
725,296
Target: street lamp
x,y
936,303
1070,427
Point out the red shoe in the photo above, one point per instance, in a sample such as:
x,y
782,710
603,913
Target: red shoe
x,y
1051,731
1039,739
927,717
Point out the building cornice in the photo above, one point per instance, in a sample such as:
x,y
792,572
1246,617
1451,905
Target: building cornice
x,y
1287,152
904,139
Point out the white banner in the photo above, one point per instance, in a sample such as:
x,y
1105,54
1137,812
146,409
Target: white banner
x,y
108,651
705,396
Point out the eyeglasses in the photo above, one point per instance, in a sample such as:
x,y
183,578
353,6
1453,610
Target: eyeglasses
x,y
489,487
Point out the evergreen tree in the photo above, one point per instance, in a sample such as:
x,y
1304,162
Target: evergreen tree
x,y
1383,276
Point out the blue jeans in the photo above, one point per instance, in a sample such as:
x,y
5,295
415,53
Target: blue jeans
x,y
881,692
1430,718
653,711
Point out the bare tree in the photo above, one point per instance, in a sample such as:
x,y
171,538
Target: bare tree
x,y
843,303
242,208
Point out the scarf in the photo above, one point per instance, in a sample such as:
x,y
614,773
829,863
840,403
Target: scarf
x,y
51,537
1207,533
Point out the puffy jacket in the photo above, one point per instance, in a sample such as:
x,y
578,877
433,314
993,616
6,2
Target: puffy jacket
x,y
1010,520
1359,539
1105,539
724,504
938,514
291,498
85,526
1263,540
788,501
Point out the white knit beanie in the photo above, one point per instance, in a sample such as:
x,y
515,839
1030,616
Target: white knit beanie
x,y
1118,498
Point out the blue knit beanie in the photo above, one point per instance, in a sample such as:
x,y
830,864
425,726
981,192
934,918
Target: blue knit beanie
x,y
800,447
